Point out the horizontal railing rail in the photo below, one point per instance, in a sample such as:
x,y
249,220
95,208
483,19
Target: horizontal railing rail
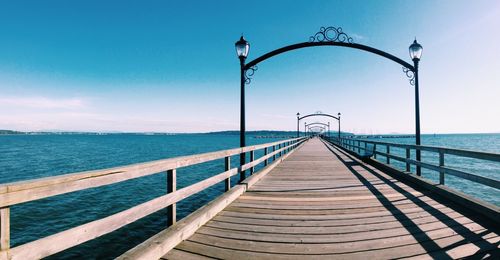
x,y
25,191
358,145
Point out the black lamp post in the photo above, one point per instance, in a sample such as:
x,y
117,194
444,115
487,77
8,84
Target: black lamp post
x,y
298,116
242,48
415,54
339,125
305,129
328,130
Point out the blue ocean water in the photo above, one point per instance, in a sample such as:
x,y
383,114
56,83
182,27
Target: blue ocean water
x,y
24,157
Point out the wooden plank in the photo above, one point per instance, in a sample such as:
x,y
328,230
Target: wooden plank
x,y
4,229
360,230
171,187
323,244
227,167
260,250
424,216
280,215
183,255
271,197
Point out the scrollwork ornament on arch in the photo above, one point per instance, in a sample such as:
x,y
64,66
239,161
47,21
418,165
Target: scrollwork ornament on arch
x,y
410,74
249,74
330,34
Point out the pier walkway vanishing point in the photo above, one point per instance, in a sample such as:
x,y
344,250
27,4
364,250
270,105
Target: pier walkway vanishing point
x,y
321,202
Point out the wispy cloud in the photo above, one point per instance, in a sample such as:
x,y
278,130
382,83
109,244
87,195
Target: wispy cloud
x,y
357,37
42,102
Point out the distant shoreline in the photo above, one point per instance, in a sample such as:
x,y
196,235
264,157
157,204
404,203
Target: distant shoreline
x,y
261,133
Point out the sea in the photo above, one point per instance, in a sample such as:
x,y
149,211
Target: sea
x,y
27,157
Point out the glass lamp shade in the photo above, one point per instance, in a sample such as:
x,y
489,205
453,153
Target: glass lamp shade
x,y
298,114
415,50
242,47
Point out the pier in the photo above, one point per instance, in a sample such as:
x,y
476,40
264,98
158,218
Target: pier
x,y
313,198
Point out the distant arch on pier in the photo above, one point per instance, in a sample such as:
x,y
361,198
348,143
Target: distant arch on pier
x,y
319,114
322,128
317,123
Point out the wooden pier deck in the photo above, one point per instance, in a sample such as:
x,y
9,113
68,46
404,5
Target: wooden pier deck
x,y
322,202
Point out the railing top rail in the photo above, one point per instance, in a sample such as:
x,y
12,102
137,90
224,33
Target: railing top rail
x,y
453,151
11,192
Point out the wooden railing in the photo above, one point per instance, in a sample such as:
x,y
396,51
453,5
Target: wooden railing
x,y
24,191
369,149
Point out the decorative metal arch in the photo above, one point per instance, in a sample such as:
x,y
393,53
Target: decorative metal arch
x,y
320,128
329,36
318,114
317,124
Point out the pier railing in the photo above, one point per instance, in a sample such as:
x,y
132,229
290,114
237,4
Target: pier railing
x,y
366,148
25,191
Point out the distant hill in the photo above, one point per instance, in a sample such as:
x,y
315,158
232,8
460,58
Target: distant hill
x,y
10,132
260,132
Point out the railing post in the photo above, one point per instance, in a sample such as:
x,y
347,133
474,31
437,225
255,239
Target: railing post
x,y
5,229
265,153
227,167
374,151
388,151
171,187
242,173
408,169
359,147
279,148
441,165
274,155
252,157
366,150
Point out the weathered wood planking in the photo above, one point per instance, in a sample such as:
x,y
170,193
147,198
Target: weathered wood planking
x,y
322,203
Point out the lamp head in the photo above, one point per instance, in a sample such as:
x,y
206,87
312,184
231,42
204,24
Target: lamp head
x,y
242,47
415,50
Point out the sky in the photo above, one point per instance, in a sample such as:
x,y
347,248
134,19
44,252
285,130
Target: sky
x,y
171,66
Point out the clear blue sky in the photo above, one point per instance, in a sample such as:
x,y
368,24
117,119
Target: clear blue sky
x,y
171,65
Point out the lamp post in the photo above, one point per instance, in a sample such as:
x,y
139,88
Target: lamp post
x,y
339,125
242,47
298,116
305,129
328,130
415,50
